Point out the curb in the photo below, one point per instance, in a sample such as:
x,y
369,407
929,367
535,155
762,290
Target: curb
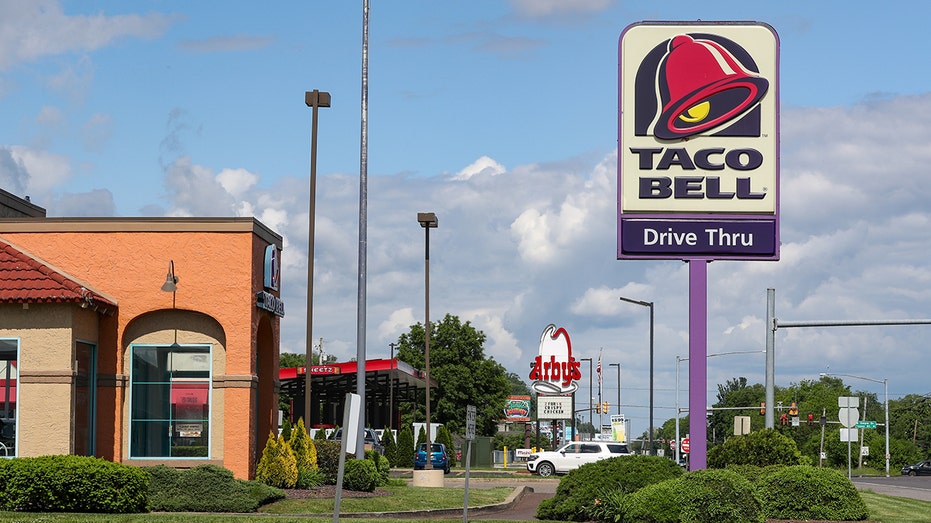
x,y
511,500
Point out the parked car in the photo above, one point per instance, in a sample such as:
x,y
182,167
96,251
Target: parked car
x,y
438,457
573,455
922,468
371,440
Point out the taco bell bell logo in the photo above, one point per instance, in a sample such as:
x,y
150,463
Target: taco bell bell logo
x,y
555,371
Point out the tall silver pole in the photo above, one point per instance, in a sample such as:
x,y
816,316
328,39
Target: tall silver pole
x,y
426,339
770,417
886,389
363,234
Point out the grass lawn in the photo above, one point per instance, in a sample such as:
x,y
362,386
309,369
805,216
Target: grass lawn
x,y
882,508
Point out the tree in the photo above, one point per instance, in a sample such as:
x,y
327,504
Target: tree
x,y
406,447
464,375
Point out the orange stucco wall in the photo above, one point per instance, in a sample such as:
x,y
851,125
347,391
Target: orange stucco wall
x,y
219,273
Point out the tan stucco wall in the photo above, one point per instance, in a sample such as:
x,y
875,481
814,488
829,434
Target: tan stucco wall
x,y
47,335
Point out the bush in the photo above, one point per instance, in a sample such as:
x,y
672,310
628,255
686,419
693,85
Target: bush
x,y
406,448
360,474
278,466
382,467
71,484
656,503
718,496
328,459
443,436
305,455
577,491
391,448
805,492
205,488
761,448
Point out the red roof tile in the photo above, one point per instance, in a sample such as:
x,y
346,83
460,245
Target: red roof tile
x,y
25,278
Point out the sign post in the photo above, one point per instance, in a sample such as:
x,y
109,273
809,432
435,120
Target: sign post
x,y
469,436
698,160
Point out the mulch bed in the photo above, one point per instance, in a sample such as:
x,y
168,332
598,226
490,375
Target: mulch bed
x,y
329,491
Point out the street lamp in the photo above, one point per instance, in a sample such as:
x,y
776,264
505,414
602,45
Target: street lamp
x,y
428,221
650,305
679,359
885,382
314,99
591,394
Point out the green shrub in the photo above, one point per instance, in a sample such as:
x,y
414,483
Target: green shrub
x,y
406,448
205,488
310,478
718,496
382,467
71,484
443,436
278,466
286,429
320,435
305,453
575,496
328,459
761,448
656,503
805,492
360,474
391,447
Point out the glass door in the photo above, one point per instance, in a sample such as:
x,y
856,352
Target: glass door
x,y
85,398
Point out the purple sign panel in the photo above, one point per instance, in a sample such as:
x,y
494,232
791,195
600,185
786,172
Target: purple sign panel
x,y
668,238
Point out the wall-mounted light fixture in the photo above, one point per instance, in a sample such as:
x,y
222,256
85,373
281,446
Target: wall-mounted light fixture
x,y
171,281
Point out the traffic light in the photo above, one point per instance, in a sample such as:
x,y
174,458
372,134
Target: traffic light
x,y
783,419
604,407
811,418
598,408
762,408
793,409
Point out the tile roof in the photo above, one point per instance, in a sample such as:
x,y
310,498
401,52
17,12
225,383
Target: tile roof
x,y
25,278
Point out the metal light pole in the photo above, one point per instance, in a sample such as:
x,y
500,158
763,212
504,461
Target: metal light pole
x,y
391,388
428,221
591,392
314,99
618,365
650,305
885,382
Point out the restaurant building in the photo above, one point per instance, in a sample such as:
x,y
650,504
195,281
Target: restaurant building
x,y
139,340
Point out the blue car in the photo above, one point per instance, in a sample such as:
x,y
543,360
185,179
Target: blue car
x,y
438,458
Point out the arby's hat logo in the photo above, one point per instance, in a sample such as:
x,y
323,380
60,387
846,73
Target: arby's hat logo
x,y
555,371
698,83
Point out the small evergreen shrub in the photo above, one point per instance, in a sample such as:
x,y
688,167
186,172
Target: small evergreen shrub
x,y
406,448
761,448
305,454
575,496
382,467
391,447
320,435
278,466
205,488
71,484
328,459
443,436
805,492
718,496
286,429
656,503
360,474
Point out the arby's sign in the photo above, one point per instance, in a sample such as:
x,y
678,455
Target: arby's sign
x,y
554,370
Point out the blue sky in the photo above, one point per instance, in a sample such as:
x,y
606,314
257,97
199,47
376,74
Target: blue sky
x,y
501,117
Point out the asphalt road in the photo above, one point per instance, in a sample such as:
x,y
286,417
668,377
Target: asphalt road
x,y
914,487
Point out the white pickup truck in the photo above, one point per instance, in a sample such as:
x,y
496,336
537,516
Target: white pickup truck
x,y
574,455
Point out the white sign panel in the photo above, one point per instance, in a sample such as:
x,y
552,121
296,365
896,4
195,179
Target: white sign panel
x,y
554,407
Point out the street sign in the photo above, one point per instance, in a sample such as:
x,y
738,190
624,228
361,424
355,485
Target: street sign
x,y
470,422
685,445
865,425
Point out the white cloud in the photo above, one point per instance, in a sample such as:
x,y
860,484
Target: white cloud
x,y
483,165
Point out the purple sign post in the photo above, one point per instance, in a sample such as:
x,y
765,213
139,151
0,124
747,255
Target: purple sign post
x,y
698,161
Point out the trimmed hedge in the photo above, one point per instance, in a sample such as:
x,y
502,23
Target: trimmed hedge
x,y
718,496
328,459
656,503
805,492
205,488
71,484
761,448
577,491
360,474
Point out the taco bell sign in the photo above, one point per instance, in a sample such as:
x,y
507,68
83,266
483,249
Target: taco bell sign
x,y
698,136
